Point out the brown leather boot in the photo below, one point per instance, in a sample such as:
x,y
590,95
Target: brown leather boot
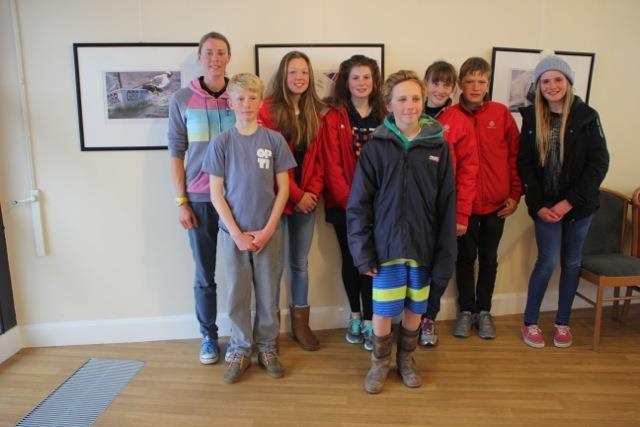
x,y
407,343
380,364
278,336
300,331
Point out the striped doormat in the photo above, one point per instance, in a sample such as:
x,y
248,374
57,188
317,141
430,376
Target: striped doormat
x,y
82,397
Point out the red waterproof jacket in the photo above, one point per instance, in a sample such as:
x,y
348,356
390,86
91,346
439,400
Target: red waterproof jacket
x,y
461,138
312,180
336,140
497,139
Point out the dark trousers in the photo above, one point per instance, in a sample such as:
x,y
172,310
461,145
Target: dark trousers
x,y
356,285
435,294
480,241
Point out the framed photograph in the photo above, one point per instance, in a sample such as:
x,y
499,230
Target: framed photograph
x,y
512,79
325,59
124,90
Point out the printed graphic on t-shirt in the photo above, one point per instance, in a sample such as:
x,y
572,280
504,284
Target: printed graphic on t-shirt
x,y
360,136
264,158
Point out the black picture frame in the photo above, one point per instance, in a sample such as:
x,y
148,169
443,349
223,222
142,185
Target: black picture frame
x,y
512,69
141,121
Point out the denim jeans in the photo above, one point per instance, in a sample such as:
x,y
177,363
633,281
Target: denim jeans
x,y
298,232
480,241
566,238
203,241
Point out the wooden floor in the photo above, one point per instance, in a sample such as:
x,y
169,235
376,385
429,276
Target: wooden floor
x,y
466,383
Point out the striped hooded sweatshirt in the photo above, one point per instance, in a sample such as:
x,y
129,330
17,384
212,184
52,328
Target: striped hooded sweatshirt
x,y
195,118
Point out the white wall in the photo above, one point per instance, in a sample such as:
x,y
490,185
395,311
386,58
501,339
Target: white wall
x,y
118,262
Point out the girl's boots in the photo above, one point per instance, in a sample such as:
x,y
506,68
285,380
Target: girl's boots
x,y
300,330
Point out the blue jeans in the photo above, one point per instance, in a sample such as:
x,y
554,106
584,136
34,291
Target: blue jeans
x,y
203,241
566,238
298,233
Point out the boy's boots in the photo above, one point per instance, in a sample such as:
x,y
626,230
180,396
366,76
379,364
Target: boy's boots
x,y
300,330
380,364
407,343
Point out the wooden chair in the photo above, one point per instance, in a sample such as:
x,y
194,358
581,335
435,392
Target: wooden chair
x,y
603,260
635,247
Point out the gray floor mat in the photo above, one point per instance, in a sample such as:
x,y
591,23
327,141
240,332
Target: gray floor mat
x,y
82,397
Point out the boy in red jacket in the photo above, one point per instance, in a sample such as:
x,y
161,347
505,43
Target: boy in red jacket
x,y
440,79
497,195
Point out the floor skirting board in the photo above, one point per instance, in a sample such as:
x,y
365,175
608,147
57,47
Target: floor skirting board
x,y
139,329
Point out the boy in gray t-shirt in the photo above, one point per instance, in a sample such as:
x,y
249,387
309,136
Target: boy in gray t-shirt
x,y
243,162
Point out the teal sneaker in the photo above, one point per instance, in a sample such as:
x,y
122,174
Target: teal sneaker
x,y
354,334
367,335
209,351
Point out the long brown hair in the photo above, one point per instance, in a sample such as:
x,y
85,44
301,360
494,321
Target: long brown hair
x,y
341,94
283,110
543,123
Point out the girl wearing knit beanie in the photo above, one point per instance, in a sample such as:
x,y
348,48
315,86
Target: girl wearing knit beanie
x,y
562,161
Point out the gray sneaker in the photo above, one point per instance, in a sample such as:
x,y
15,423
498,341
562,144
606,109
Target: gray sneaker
x,y
486,325
269,361
428,335
238,363
463,325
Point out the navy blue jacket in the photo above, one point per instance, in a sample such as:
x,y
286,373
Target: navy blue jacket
x,y
585,163
403,202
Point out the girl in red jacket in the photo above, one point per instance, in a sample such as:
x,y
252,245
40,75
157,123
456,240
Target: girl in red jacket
x,y
356,110
293,109
440,79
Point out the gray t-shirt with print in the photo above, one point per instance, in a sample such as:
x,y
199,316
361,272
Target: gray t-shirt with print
x,y
248,164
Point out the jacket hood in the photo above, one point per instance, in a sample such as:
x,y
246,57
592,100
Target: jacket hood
x,y
430,131
195,87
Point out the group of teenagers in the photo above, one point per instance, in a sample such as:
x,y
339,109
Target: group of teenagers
x,y
412,184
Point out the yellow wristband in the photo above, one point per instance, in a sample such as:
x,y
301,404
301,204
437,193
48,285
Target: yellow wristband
x,y
181,200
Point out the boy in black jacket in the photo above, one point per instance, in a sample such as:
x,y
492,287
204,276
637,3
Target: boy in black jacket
x,y
401,221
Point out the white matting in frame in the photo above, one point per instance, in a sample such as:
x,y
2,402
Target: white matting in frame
x,y
512,75
325,60
124,90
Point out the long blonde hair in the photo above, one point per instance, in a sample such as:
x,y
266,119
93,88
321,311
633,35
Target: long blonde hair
x,y
543,123
283,110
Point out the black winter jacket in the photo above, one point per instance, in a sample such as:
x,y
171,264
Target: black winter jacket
x,y
585,163
402,203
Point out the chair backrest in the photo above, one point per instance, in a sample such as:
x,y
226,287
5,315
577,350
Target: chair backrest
x,y
606,235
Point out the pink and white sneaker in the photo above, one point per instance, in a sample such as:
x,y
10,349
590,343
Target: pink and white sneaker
x,y
562,336
532,336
